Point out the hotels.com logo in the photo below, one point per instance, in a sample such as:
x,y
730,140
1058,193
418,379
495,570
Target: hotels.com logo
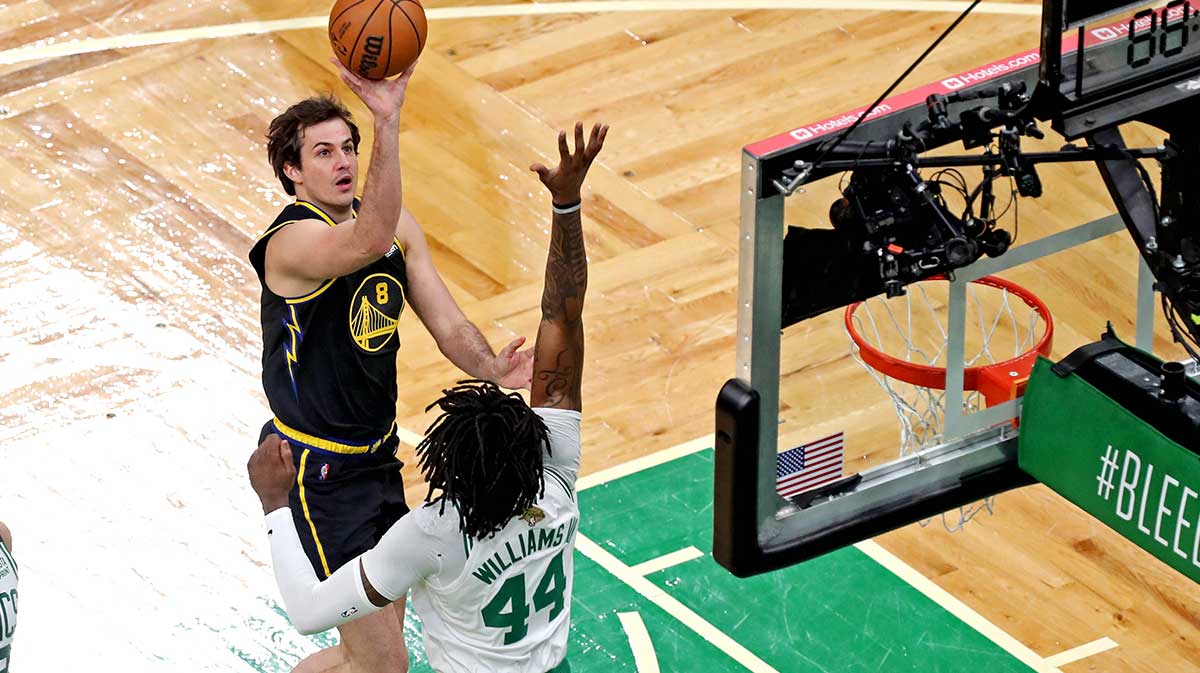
x,y
836,124
1112,32
992,71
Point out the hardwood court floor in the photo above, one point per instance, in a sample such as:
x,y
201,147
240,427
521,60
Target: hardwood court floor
x,y
135,180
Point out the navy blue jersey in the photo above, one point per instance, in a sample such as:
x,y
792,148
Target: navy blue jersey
x,y
329,357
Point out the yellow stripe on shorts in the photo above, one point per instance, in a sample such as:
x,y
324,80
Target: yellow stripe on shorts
x,y
307,517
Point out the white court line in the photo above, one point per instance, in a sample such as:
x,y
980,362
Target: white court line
x,y
1082,652
75,47
644,658
663,562
644,463
671,606
408,437
872,549
956,607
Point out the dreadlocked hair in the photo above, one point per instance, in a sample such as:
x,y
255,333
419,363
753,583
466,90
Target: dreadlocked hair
x,y
484,453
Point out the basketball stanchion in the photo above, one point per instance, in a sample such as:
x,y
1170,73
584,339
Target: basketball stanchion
x,y
1116,431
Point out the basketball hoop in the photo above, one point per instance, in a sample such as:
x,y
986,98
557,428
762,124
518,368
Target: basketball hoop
x,y
902,342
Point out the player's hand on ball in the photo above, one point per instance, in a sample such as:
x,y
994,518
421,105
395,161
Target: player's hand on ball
x,y
383,97
272,472
565,180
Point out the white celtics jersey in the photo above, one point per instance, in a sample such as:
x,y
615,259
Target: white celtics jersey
x,y
8,604
508,611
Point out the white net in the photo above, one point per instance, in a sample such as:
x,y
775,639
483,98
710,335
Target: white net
x,y
913,328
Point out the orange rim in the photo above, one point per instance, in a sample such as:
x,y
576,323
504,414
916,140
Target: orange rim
x,y
973,377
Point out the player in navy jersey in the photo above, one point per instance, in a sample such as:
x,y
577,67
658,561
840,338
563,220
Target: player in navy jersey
x,y
489,558
337,272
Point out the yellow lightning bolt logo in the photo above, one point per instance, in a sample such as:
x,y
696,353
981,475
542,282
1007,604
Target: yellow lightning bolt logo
x,y
292,350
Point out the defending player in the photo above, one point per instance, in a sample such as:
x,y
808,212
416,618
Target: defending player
x,y
490,559
336,275
8,597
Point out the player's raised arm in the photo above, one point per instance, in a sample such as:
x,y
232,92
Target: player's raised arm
x,y
325,173
558,353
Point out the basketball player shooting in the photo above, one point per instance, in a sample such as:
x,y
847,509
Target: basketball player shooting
x,y
489,558
336,274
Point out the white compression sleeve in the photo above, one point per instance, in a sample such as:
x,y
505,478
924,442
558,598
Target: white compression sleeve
x,y
313,605
408,554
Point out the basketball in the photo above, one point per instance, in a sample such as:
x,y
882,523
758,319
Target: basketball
x,y
377,38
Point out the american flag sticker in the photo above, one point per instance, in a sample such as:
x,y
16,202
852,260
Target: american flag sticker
x,y
809,466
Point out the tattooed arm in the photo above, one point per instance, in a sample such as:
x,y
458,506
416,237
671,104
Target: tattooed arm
x,y
558,352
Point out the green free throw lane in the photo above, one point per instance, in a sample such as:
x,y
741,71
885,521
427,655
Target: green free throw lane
x,y
840,613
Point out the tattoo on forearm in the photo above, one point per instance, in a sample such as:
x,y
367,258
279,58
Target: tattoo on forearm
x,y
566,270
560,381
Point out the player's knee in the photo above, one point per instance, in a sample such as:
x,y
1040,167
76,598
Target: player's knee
x,y
389,659
377,646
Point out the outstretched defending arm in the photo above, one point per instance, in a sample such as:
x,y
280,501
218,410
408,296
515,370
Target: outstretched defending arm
x,y
404,555
558,352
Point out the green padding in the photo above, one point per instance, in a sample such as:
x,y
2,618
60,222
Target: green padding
x,y
1113,465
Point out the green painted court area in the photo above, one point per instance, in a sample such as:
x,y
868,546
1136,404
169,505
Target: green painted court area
x,y
840,613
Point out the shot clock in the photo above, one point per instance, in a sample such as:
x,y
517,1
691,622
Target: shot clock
x,y
1157,35
1107,61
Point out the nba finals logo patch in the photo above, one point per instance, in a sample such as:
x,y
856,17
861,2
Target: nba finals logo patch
x,y
324,471
375,311
533,516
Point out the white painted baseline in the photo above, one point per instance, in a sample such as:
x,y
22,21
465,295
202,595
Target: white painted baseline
x,y
644,463
38,52
956,607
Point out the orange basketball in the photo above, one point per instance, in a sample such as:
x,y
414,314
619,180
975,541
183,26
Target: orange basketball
x,y
377,38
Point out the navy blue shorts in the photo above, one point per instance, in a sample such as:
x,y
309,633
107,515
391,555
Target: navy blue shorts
x,y
343,504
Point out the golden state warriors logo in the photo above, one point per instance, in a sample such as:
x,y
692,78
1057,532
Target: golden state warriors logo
x,y
375,310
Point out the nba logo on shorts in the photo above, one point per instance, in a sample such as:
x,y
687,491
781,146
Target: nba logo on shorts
x,y
324,471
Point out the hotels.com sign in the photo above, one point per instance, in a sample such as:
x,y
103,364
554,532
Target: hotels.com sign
x,y
992,71
899,102
895,103
837,123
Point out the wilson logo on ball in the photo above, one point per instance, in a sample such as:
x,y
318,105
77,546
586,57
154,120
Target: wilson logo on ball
x,y
371,53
